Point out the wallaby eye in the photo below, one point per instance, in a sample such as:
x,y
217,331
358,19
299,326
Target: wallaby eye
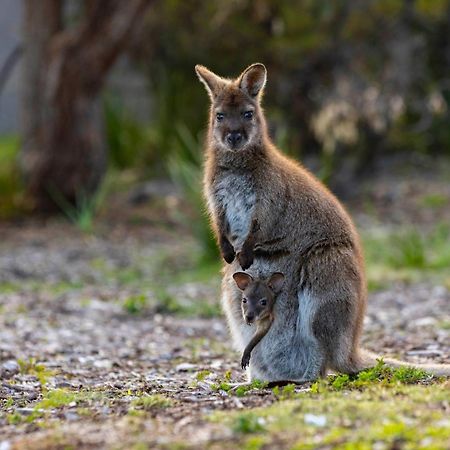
x,y
263,302
220,116
248,115
244,300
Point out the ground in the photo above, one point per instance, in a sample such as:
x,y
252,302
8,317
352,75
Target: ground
x,y
114,338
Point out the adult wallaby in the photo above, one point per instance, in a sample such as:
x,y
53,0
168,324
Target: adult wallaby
x,y
272,215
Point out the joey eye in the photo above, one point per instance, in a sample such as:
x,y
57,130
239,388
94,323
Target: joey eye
x,y
220,116
248,115
263,302
244,300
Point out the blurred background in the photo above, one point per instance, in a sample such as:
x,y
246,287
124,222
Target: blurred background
x,y
101,113
109,275
102,118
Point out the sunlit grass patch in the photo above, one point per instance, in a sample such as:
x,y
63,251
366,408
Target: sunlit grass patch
x,y
52,399
381,374
380,415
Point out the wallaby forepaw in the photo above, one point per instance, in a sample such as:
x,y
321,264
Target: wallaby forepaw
x,y
245,361
245,258
227,252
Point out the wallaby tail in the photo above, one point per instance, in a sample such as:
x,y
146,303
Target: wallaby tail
x,y
368,359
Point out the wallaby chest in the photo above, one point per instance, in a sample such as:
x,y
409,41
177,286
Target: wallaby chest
x,y
234,197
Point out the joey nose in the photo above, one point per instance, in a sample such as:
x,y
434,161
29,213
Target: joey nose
x,y
249,317
234,138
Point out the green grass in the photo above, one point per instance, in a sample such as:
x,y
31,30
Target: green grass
x,y
151,402
434,201
393,415
407,255
380,407
381,374
31,367
52,400
135,304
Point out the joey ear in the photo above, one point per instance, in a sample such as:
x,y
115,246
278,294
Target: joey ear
x,y
276,282
253,79
211,81
242,280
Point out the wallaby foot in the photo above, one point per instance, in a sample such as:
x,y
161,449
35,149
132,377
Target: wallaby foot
x,y
245,361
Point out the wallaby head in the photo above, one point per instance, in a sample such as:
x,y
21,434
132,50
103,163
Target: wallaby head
x,y
236,119
258,296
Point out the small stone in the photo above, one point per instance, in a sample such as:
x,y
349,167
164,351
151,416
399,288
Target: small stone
x,y
71,416
25,411
103,364
10,368
318,421
185,367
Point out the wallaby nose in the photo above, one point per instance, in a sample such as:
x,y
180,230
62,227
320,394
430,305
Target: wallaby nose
x,y
249,317
234,137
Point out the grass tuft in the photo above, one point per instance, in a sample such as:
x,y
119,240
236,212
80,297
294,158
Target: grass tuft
x,y
152,402
248,423
380,374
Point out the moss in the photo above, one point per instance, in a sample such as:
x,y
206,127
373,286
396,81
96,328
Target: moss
x,y
380,374
200,376
151,402
57,398
254,385
374,414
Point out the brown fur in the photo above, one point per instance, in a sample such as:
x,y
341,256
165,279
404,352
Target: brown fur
x,y
276,216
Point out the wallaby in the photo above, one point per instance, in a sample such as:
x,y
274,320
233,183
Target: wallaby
x,y
258,299
269,213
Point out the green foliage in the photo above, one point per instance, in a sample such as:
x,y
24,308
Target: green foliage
x,y
128,141
83,213
31,367
380,374
135,304
200,376
11,185
248,423
152,402
254,385
284,392
407,254
185,169
309,48
56,399
379,415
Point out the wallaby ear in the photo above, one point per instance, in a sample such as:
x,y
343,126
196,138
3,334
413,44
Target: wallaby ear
x,y
253,79
211,81
276,282
242,280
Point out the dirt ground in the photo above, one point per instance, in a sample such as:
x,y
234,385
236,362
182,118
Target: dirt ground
x,y
80,314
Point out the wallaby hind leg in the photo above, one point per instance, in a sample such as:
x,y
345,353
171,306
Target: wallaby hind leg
x,y
335,281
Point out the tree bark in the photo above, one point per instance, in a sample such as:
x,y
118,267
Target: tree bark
x,y
63,153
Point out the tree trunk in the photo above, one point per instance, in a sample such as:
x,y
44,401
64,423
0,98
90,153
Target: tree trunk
x,y
63,154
